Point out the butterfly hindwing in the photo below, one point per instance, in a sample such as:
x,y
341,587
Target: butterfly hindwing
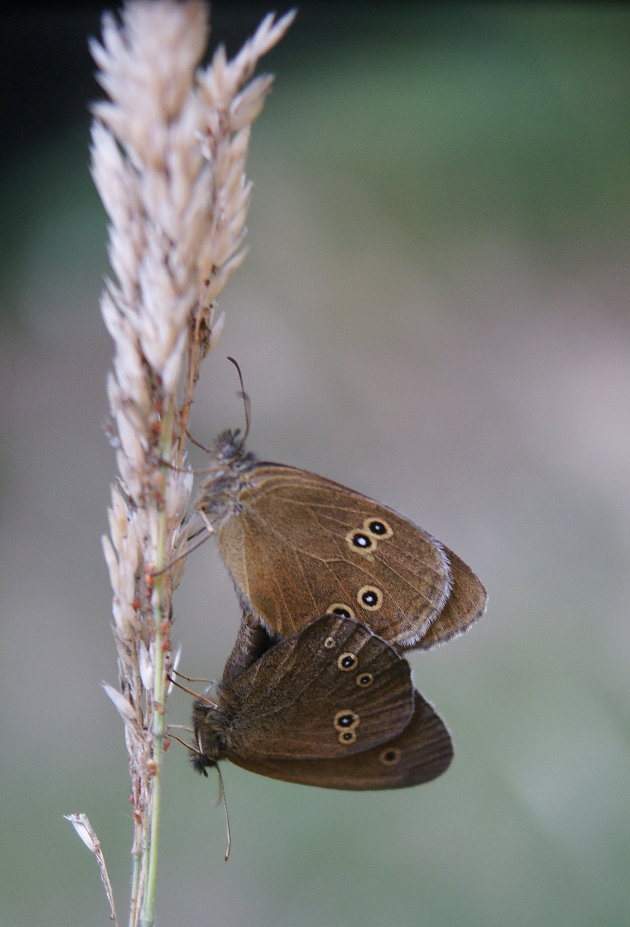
x,y
465,604
420,753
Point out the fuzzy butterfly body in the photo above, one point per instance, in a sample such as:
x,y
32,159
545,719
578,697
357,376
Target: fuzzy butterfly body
x,y
332,706
298,545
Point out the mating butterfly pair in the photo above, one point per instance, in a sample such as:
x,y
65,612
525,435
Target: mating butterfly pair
x,y
334,587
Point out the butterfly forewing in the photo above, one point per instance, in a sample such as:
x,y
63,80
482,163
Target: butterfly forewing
x,y
301,545
332,690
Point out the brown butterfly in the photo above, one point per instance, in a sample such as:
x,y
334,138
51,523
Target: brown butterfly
x,y
332,706
298,545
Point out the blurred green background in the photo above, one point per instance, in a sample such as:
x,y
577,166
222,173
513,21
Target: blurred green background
x,y
434,311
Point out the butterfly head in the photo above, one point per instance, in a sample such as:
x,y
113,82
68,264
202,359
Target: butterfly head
x,y
200,763
210,730
228,451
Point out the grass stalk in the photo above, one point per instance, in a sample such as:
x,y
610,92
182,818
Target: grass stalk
x,y
169,145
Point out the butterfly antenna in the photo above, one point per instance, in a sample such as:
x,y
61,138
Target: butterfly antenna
x,y
221,798
247,403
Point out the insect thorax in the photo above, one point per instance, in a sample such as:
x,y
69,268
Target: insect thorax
x,y
219,493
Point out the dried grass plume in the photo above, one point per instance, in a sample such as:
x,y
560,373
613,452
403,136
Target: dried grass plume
x,y
169,145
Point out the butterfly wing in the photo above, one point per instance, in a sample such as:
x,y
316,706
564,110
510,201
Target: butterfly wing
x,y
332,690
420,753
252,641
465,604
298,545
